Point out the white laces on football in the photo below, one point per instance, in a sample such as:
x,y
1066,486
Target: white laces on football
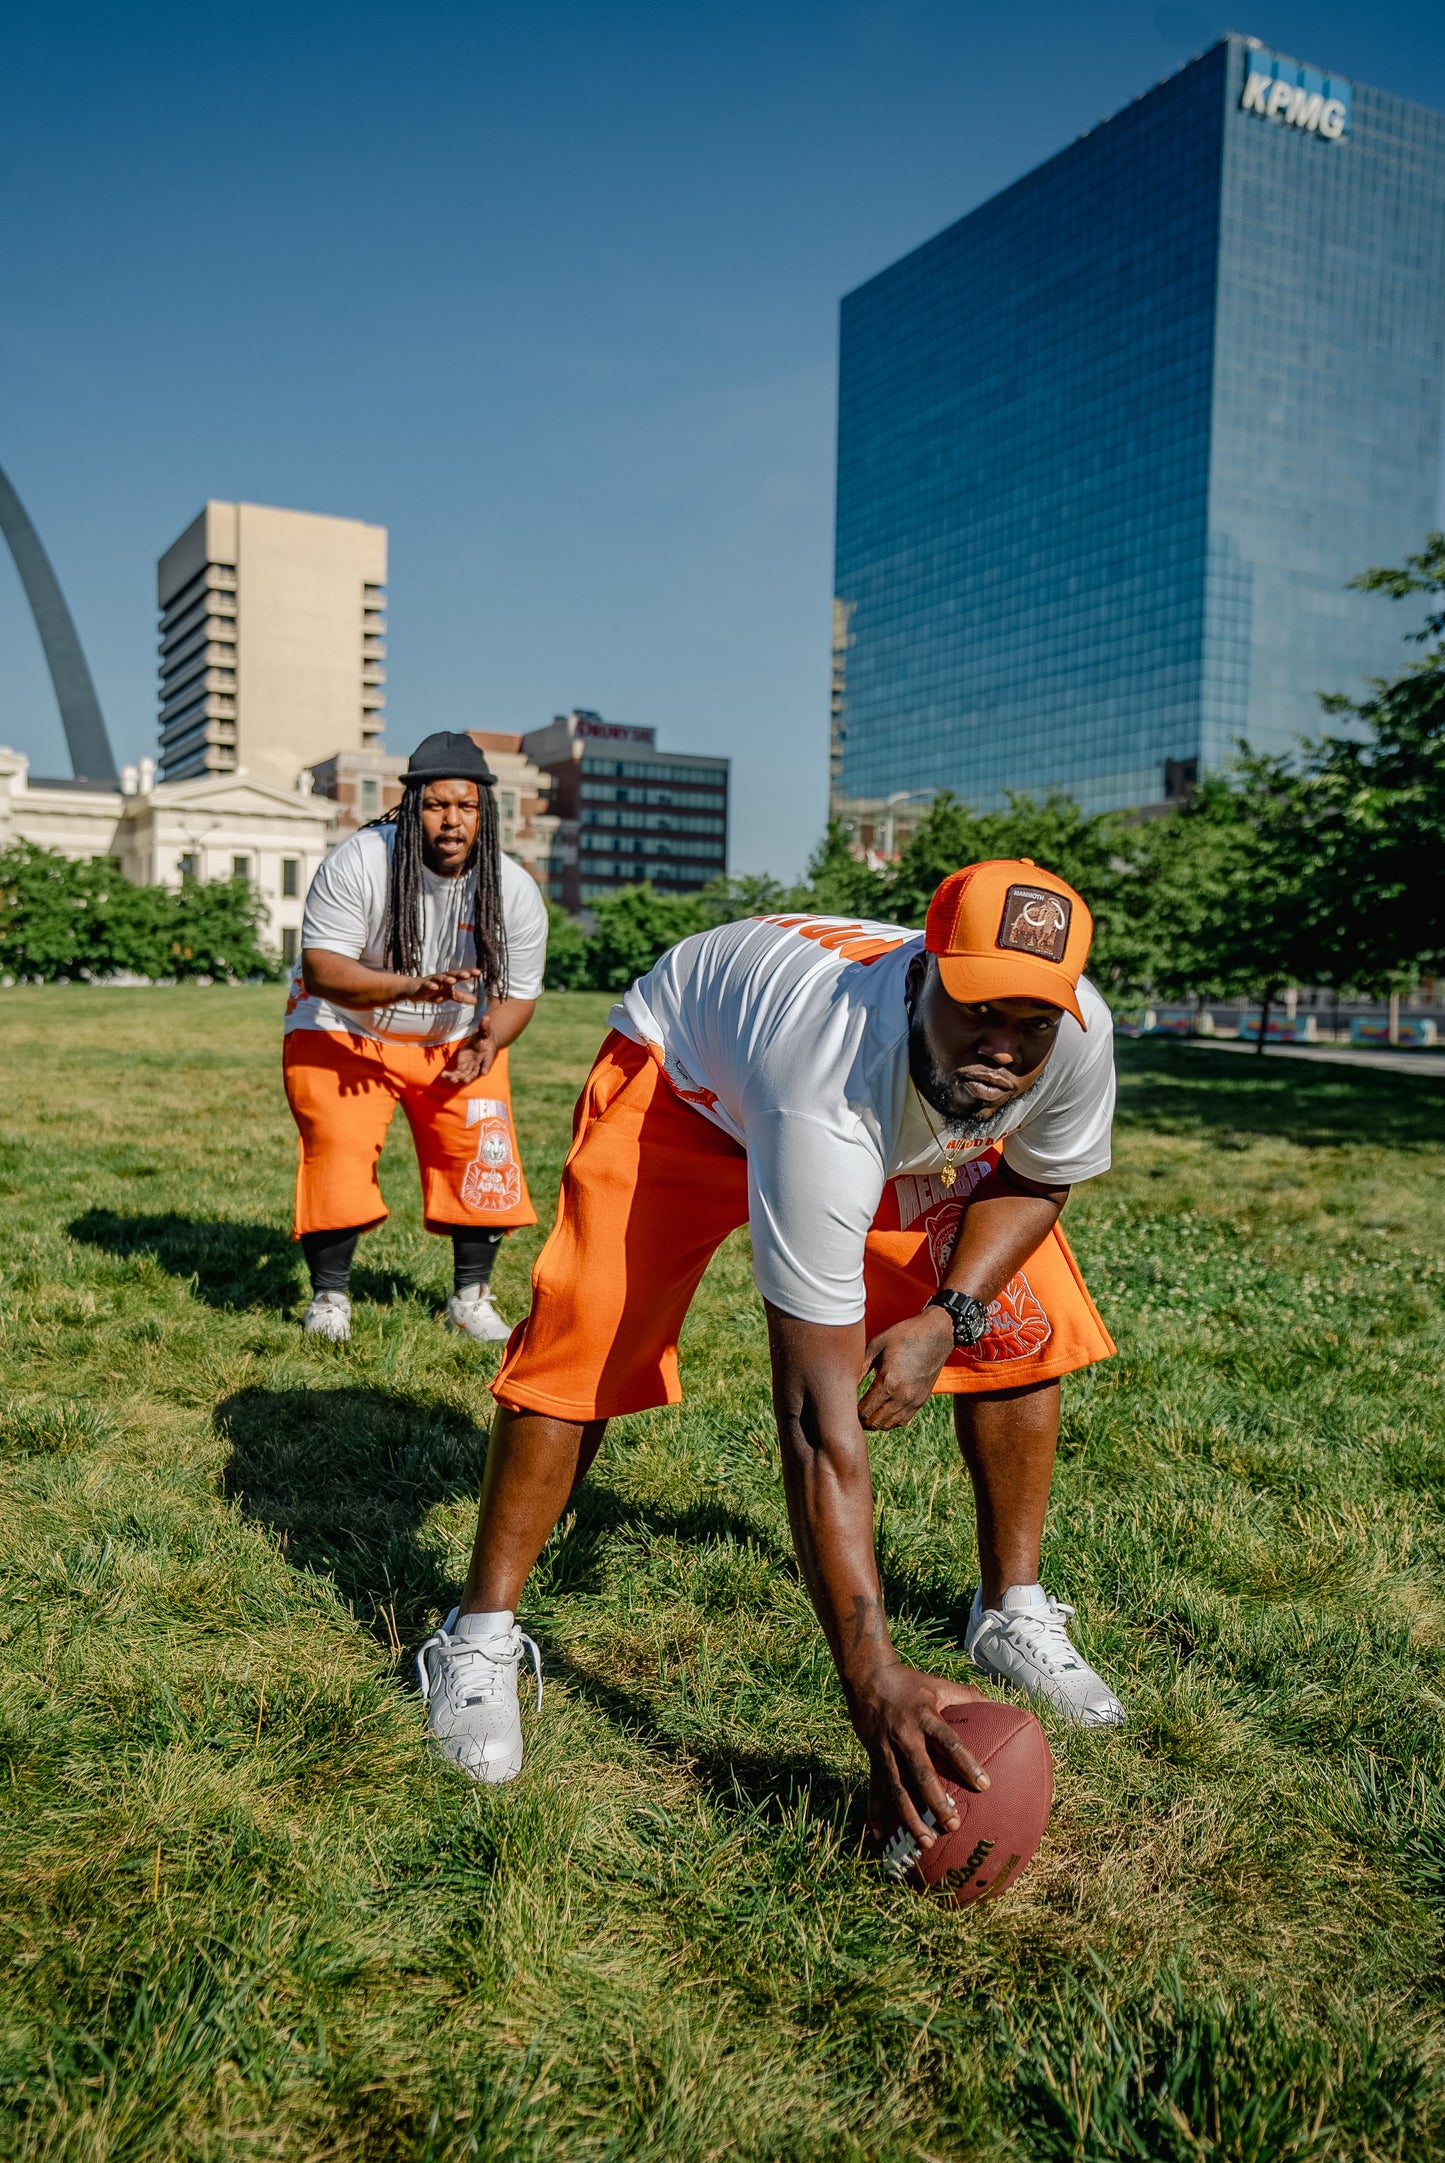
x,y
483,1677
903,1851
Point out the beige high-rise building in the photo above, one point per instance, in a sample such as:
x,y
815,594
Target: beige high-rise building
x,y
272,641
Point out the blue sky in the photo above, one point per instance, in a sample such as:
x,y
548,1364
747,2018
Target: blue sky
x,y
549,289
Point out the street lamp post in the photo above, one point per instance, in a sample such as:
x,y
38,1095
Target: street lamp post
x,y
899,796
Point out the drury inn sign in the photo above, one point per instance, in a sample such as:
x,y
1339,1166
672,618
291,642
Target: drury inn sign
x,y
1296,97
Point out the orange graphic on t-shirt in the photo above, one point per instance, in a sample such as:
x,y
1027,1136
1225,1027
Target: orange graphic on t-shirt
x,y
849,940
941,1225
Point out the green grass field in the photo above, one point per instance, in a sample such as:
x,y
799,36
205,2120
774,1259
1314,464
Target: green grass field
x,y
246,1915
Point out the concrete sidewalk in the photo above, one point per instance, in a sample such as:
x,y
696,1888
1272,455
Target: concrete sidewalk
x,y
1394,1062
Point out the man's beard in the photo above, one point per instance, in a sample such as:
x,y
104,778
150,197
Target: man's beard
x,y
944,1091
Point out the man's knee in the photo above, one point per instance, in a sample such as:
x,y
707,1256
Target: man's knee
x,y
1023,1408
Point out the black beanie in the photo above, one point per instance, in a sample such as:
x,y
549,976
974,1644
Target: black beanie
x,y
448,756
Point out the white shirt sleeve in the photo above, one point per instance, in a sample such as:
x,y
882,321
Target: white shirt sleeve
x,y
812,1197
524,913
341,914
1068,1138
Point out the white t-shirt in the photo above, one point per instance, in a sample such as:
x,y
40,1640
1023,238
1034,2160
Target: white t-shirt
x,y
345,909
790,1033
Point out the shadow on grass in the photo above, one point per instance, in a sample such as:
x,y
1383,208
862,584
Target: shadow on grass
x,y
1178,1089
345,1479
233,1265
772,1785
578,1564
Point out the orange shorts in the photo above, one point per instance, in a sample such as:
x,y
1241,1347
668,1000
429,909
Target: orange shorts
x,y
650,1190
343,1091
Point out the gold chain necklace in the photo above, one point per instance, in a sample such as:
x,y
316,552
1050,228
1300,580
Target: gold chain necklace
x,y
950,1170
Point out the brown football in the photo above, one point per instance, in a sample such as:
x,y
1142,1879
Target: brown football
x,y
999,1827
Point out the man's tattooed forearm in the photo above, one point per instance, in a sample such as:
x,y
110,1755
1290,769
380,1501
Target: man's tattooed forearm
x,y
868,1625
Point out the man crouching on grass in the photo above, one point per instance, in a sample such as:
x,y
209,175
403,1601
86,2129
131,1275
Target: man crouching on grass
x,y
897,1117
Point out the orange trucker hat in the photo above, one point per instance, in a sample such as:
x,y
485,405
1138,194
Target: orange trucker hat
x,y
1007,930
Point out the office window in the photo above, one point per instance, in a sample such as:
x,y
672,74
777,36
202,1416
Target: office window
x,y
240,867
289,939
370,796
188,865
290,877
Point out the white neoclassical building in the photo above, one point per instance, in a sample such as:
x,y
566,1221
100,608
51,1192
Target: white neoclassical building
x,y
218,826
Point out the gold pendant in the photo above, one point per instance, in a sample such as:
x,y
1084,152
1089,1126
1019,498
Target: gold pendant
x,y
948,1174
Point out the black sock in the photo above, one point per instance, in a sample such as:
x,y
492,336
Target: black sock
x,y
328,1257
473,1254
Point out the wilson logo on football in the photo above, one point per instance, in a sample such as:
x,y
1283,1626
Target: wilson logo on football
x,y
493,1179
978,1853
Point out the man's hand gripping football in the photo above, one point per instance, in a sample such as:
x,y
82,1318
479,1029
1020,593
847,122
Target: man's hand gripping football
x,y
896,1711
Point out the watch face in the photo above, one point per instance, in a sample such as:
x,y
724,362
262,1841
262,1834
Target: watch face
x,y
968,1316
972,1320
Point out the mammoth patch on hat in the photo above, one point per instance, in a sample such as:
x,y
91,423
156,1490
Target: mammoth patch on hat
x,y
1035,921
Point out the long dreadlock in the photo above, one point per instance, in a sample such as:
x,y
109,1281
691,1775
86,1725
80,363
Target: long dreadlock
x,y
401,929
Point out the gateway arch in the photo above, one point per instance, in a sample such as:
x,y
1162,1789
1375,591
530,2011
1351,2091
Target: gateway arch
x,y
91,758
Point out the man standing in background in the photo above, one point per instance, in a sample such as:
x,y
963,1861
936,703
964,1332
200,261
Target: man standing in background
x,y
423,949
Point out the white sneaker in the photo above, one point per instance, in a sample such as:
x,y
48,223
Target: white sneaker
x,y
469,1687
1026,1643
473,1312
329,1315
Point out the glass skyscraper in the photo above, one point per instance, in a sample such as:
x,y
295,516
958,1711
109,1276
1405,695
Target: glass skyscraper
x,y
1110,447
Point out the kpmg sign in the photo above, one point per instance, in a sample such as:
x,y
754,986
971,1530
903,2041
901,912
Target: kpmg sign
x,y
1296,97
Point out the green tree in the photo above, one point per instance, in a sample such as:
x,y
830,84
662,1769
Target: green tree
x,y
1231,902
53,914
948,836
634,926
1380,798
568,951
63,918
212,927
749,893
1324,869
837,884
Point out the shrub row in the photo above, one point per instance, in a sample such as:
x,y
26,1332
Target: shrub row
x,y
60,919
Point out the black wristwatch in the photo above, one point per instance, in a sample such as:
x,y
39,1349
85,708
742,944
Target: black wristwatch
x,y
968,1316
